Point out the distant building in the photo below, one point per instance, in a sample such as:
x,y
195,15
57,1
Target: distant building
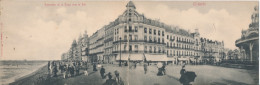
x,y
249,41
96,46
64,56
78,50
137,38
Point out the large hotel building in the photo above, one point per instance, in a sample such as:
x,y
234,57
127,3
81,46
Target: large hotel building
x,y
134,37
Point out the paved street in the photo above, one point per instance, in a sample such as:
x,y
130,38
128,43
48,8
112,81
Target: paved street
x,y
206,75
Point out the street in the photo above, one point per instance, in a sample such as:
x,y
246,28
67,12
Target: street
x,y
206,75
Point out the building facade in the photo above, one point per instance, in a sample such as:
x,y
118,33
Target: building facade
x,y
133,37
78,50
249,41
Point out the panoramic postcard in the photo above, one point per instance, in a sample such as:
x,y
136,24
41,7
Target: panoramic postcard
x,y
122,42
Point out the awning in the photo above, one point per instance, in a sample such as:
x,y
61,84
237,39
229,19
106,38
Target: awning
x,y
150,57
170,59
133,57
192,59
183,59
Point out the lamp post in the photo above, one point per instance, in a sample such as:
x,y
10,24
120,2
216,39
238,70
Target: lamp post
x,y
120,53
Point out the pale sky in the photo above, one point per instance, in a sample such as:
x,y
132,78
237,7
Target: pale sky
x,y
34,31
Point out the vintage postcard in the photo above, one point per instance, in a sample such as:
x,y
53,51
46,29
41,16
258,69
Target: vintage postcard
x,y
122,42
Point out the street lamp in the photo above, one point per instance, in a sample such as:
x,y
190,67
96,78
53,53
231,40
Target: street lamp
x,y
120,53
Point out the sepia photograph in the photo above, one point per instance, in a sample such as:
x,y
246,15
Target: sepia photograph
x,y
129,42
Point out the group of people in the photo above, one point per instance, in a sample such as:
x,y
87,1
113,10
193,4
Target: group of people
x,y
68,69
52,69
117,80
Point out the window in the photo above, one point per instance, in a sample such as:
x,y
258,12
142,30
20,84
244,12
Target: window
x,y
136,48
162,40
150,38
162,33
167,44
170,37
171,44
129,20
130,37
125,47
155,39
159,32
150,31
145,49
159,40
167,36
136,29
125,29
167,52
159,49
154,49
136,37
145,38
154,32
150,49
130,48
163,50
125,37
145,30
130,29
115,31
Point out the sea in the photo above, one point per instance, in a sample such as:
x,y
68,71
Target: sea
x,y
15,69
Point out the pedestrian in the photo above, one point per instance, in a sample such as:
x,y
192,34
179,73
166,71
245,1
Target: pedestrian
x,y
164,68
145,68
110,81
86,72
48,67
69,71
187,76
72,70
77,69
102,72
126,64
159,66
118,79
65,73
55,70
135,65
51,68
94,67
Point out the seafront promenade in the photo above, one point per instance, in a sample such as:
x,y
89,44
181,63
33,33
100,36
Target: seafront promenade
x,y
206,74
